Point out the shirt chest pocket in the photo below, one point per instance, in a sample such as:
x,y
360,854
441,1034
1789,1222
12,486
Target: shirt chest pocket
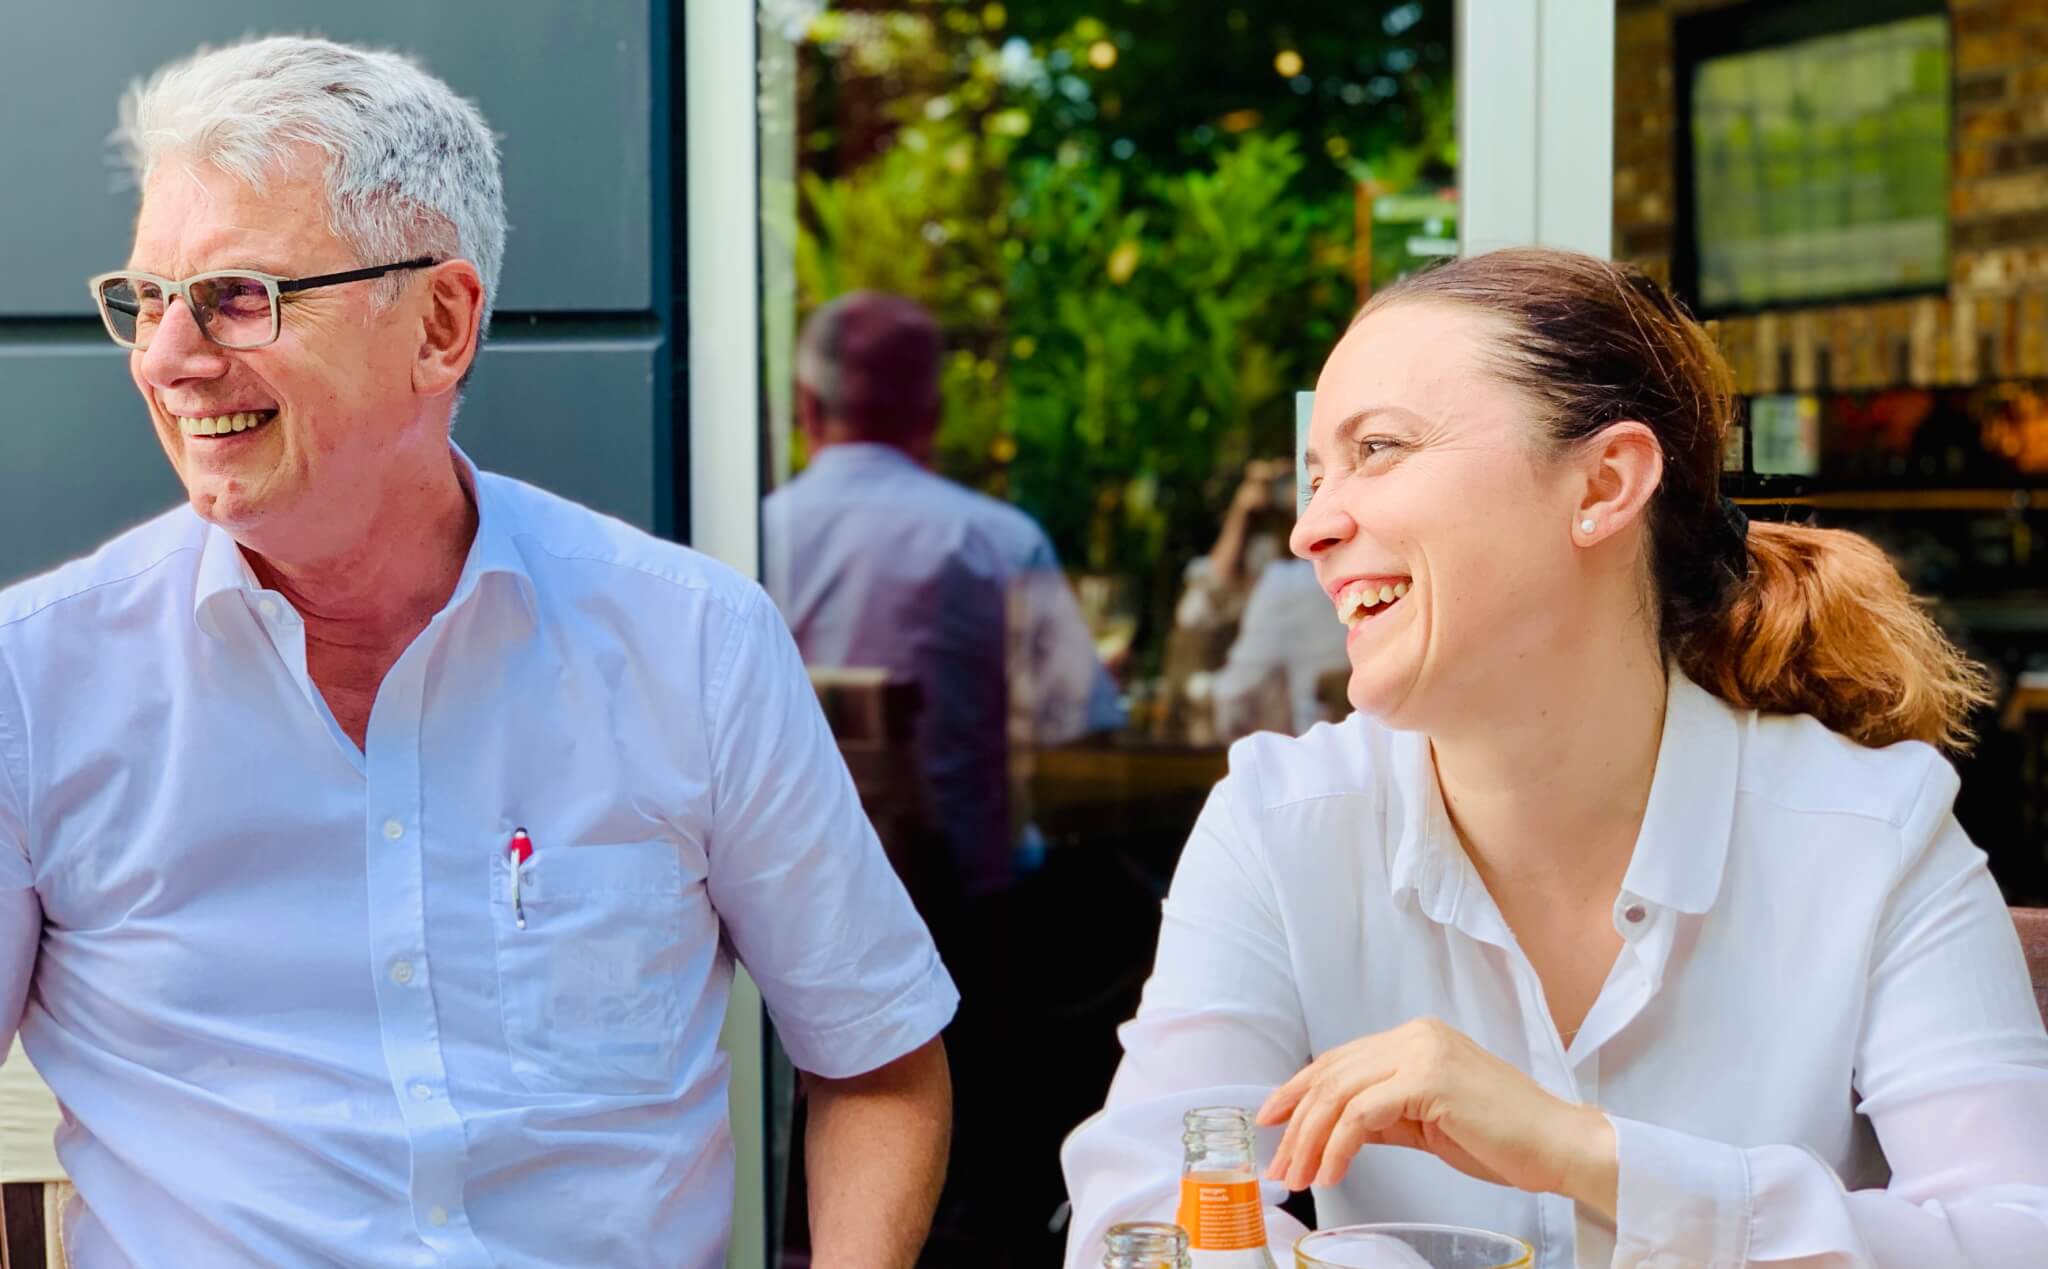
x,y
587,987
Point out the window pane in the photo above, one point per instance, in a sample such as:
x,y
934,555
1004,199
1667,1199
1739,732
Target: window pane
x,y
1035,330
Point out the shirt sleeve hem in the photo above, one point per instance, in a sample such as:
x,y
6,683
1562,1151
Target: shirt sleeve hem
x,y
1682,1199
909,1020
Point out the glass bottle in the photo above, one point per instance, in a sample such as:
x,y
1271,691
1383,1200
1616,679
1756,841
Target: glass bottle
x,y
1145,1245
1220,1207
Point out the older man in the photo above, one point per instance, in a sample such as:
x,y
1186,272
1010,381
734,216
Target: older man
x,y
377,835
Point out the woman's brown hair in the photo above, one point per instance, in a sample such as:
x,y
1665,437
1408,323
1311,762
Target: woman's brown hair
x,y
1783,618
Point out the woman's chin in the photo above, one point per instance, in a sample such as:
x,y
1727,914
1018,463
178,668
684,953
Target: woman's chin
x,y
1378,693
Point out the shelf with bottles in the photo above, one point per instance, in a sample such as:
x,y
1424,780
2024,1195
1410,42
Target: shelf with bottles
x,y
1982,448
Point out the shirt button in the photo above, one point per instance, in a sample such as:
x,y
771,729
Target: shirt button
x,y
393,829
421,1093
438,1214
1634,914
401,973
268,607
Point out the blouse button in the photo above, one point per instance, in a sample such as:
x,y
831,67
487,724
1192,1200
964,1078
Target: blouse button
x,y
1634,914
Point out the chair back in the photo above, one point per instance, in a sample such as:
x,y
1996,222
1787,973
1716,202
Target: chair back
x,y
2033,927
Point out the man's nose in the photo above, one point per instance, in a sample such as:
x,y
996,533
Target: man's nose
x,y
179,351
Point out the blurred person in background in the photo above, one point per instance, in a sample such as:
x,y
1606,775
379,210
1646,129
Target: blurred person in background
x,y
879,563
1629,914
1287,637
1253,638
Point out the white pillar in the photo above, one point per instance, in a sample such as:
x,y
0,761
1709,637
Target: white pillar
x,y
1535,85
723,319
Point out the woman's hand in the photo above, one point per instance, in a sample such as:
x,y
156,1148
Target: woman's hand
x,y
1427,1086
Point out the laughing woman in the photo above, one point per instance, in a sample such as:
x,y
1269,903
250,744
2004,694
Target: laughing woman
x,y
1630,902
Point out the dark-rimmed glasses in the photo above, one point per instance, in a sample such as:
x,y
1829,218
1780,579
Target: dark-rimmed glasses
x,y
235,308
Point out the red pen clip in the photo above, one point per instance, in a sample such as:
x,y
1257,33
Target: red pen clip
x,y
518,851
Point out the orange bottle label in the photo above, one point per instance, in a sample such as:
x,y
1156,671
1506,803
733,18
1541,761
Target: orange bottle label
x,y
1221,1211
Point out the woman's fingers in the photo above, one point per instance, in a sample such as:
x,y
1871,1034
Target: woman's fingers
x,y
1310,1128
1282,1101
1306,1127
1366,1120
1305,1144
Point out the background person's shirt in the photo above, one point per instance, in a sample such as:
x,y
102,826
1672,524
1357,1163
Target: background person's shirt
x,y
1288,639
1818,979
277,982
878,563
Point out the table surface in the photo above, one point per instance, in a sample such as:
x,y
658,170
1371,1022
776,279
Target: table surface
x,y
28,1119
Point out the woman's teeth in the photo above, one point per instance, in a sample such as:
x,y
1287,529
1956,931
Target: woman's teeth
x,y
1360,599
224,424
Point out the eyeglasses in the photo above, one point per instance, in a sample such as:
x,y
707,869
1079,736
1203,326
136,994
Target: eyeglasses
x,y
235,308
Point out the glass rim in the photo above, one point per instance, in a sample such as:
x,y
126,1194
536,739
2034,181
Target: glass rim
x,y
1523,1257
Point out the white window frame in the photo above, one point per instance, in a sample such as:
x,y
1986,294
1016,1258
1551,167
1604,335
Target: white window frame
x,y
1535,89
722,317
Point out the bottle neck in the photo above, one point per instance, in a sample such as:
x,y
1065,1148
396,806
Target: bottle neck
x,y
1218,1141
1145,1245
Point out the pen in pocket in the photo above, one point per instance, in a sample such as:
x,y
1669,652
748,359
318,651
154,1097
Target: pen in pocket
x,y
517,853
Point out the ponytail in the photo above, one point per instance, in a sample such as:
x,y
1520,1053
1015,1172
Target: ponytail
x,y
1824,625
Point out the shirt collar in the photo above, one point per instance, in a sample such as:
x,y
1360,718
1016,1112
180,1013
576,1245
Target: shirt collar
x,y
853,454
1680,851
1683,845
223,570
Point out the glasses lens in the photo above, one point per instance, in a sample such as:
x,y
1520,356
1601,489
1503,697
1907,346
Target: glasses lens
x,y
235,310
133,308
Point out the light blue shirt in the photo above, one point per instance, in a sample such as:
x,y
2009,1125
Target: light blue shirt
x,y
278,983
878,563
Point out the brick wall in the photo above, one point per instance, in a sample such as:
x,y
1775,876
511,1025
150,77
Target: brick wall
x,y
1992,324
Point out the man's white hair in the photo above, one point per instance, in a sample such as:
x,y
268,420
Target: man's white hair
x,y
412,169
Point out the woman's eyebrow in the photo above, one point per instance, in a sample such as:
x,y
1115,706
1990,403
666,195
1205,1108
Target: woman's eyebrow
x,y
1347,431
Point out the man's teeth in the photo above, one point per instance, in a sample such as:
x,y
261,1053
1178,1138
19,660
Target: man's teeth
x,y
222,424
1358,600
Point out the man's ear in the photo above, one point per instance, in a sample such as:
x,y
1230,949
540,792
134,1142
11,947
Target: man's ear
x,y
449,328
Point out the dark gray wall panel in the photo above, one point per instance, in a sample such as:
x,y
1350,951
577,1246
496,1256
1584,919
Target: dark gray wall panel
x,y
575,417
567,87
79,461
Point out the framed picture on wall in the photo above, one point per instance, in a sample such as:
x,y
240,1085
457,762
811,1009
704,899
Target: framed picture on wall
x,y
1813,145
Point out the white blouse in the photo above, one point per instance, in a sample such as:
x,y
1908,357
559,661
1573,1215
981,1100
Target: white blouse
x,y
1818,1045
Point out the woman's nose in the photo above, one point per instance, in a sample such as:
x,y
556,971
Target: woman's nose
x,y
1323,524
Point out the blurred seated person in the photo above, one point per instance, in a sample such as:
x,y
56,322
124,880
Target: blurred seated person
x,y
878,562
1254,534
1254,634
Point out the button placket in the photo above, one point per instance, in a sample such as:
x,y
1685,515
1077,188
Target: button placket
x,y
397,847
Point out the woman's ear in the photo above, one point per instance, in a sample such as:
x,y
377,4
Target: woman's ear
x,y
1622,466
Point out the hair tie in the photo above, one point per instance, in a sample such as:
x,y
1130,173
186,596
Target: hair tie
x,y
1734,544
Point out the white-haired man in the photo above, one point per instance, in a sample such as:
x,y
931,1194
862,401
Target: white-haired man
x,y
377,835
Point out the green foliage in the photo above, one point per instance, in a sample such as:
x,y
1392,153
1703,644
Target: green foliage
x,y
1126,327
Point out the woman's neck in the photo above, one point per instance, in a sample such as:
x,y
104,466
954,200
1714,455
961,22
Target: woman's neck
x,y
1548,799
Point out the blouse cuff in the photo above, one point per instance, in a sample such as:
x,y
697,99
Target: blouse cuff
x,y
1683,1200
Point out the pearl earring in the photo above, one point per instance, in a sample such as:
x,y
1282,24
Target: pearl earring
x,y
1586,526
